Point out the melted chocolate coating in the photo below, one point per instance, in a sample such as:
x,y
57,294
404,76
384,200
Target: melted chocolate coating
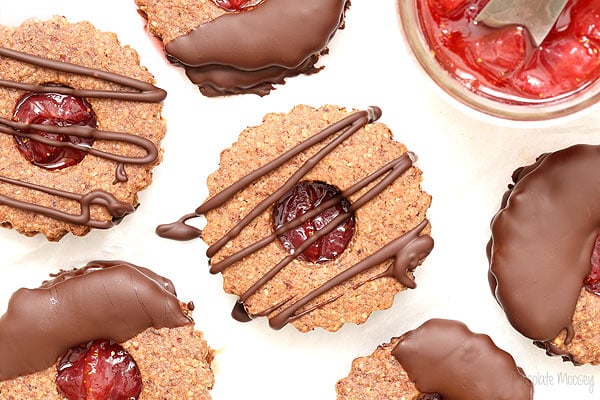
x,y
244,52
103,300
542,240
406,251
445,357
144,91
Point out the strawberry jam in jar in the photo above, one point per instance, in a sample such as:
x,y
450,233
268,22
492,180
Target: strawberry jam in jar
x,y
500,71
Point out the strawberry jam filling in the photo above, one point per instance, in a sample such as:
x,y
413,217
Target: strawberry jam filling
x,y
235,5
58,110
503,62
592,281
100,370
302,198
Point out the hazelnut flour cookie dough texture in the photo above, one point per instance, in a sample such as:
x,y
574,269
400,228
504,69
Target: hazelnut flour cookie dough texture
x,y
119,325
80,128
442,359
315,217
543,253
244,46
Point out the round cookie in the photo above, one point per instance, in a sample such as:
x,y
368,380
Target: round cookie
x,y
232,47
442,359
69,69
110,300
366,167
542,250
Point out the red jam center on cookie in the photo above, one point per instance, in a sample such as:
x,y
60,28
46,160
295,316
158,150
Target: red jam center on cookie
x,y
236,5
592,281
58,110
304,197
491,60
100,370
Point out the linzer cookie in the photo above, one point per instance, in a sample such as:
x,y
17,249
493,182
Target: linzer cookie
x,y
543,253
442,359
80,128
244,46
315,217
118,325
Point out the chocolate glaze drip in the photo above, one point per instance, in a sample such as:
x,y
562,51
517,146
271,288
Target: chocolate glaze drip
x,y
144,91
104,300
179,230
239,313
247,51
216,81
120,174
554,350
407,250
542,241
445,357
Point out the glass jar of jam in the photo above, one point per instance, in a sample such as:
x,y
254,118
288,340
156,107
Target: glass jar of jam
x,y
500,71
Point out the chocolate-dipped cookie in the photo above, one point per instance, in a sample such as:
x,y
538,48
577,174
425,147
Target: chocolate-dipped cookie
x,y
442,359
232,46
543,253
315,217
80,128
119,324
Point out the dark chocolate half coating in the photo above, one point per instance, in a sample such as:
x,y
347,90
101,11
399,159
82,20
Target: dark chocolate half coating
x,y
542,240
104,300
246,51
445,357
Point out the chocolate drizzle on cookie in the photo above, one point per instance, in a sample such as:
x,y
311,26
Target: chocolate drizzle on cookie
x,y
445,357
117,209
406,251
105,299
542,241
245,52
142,91
18,129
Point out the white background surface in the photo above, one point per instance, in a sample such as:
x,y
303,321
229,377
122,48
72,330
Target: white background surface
x,y
466,161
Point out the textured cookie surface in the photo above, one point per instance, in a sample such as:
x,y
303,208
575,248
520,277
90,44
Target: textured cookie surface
x,y
399,208
377,376
584,347
179,18
80,44
247,49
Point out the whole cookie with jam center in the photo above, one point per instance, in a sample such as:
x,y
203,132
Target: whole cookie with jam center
x,y
80,128
244,46
315,217
543,253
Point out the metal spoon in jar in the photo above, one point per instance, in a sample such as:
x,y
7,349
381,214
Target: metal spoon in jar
x,y
538,16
